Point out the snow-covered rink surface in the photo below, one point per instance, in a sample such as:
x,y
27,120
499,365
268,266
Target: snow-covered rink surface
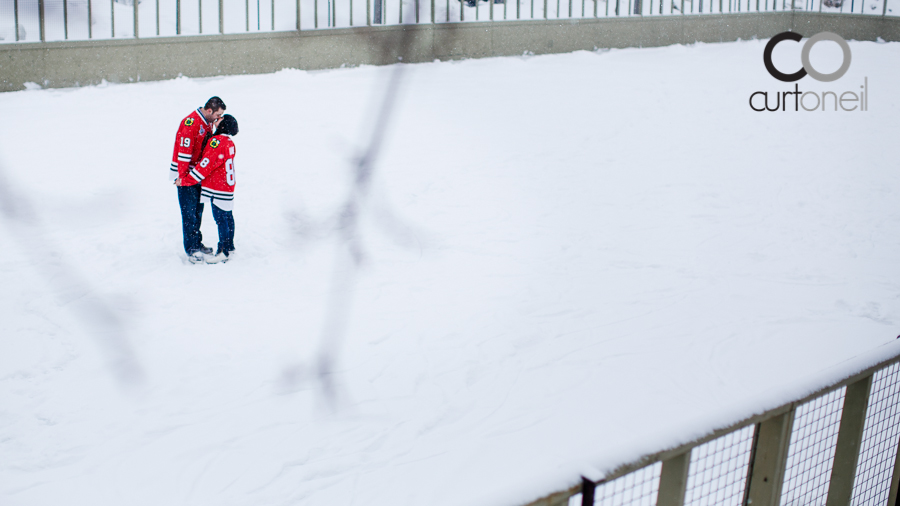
x,y
570,261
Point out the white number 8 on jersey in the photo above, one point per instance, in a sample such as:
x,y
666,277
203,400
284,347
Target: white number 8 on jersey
x,y
229,171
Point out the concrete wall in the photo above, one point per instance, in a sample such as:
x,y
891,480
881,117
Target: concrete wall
x,y
61,64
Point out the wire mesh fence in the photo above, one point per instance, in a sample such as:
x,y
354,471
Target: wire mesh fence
x,y
718,470
638,488
811,453
878,450
55,20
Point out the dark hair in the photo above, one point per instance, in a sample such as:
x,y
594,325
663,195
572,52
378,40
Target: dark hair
x,y
228,126
214,104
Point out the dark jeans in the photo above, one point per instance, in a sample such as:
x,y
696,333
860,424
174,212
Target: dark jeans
x,y
191,213
225,221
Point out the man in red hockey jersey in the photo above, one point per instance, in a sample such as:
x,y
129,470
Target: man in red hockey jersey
x,y
216,173
193,132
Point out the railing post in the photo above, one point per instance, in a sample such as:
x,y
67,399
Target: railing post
x,y
222,16
41,19
673,480
136,29
588,488
850,433
16,17
177,17
65,19
770,448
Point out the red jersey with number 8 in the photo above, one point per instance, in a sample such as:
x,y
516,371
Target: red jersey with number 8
x,y
216,172
192,132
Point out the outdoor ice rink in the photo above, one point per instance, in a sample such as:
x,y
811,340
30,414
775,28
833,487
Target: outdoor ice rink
x,y
569,261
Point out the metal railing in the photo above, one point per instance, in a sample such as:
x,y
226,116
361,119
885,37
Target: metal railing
x,y
56,20
836,447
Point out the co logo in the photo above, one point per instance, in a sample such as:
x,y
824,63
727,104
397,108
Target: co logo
x,y
804,57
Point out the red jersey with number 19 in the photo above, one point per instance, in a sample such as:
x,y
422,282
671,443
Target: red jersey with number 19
x,y
192,132
216,172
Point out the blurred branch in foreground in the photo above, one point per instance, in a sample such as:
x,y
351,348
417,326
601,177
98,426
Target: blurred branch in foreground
x,y
349,253
73,290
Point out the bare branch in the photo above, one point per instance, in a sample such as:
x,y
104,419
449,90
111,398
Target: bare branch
x,y
98,319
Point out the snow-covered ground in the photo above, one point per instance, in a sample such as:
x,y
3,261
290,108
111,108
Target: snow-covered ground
x,y
570,261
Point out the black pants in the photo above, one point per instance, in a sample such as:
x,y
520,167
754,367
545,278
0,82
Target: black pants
x,y
191,213
225,222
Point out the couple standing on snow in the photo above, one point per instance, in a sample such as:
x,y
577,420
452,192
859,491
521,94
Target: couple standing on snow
x,y
203,170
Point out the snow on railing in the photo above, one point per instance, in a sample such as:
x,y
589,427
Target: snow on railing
x,y
838,446
57,20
